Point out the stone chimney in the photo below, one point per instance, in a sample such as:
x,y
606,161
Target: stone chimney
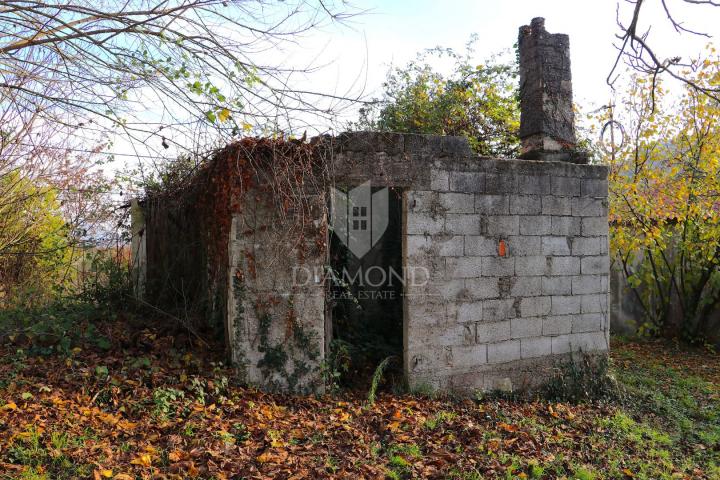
x,y
547,128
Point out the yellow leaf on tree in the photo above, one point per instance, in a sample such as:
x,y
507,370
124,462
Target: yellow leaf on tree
x,y
223,115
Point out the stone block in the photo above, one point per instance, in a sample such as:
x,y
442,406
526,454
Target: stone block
x,y
497,310
479,245
501,183
469,312
563,265
587,322
535,347
524,245
595,265
534,184
556,285
584,284
531,265
498,266
552,205
594,187
565,186
561,344
535,225
556,246
424,224
589,342
463,267
525,204
502,352
417,244
595,226
565,305
492,204
421,201
589,207
503,225
557,325
526,287
526,327
493,332
535,306
595,303
468,356
462,224
457,202
583,246
482,288
567,226
448,246
467,182
439,180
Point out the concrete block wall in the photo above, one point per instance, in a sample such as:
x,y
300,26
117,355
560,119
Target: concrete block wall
x,y
517,255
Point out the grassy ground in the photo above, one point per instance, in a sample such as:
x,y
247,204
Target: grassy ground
x,y
145,409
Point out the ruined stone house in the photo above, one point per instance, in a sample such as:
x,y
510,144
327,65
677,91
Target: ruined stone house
x,y
503,262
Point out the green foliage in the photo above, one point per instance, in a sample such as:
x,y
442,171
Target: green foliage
x,y
584,378
164,399
376,379
476,101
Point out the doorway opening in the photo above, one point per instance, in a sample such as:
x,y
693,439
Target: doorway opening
x,y
366,287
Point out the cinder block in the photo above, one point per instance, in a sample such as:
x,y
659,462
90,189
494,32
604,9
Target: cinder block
x,y
498,266
480,245
492,332
534,184
526,327
468,182
596,303
594,226
417,244
469,312
524,245
535,306
565,186
457,202
589,246
502,352
531,265
526,287
556,246
564,265
561,344
449,246
482,288
557,325
497,310
567,226
421,201
462,224
594,188
503,225
424,224
587,322
439,180
525,204
492,204
556,285
584,284
596,265
503,183
565,305
535,225
467,356
463,267
589,207
427,314
441,335
552,205
535,347
589,342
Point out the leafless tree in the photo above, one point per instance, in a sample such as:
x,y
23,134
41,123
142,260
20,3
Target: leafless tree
x,y
634,46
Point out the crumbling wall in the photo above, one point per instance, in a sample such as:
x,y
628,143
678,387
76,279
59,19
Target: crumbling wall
x,y
276,294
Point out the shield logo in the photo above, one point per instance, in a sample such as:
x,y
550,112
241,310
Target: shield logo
x,y
359,217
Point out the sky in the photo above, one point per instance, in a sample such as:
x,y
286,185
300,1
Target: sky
x,y
358,52
393,31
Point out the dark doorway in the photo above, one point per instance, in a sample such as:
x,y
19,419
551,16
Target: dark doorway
x,y
366,291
